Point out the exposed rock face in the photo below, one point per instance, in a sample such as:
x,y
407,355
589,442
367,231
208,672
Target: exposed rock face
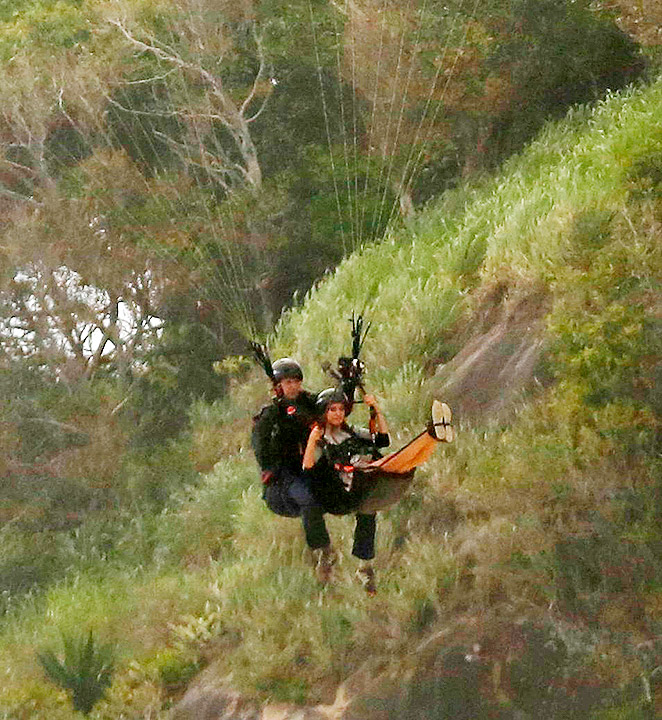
x,y
642,20
209,698
202,702
207,701
499,360
499,664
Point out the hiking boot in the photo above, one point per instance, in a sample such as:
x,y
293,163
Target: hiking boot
x,y
324,559
440,426
366,576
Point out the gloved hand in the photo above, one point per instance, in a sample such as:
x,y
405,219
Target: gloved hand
x,y
267,476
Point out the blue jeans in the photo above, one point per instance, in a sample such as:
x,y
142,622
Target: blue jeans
x,y
290,495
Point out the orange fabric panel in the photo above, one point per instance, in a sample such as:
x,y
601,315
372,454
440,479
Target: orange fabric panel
x,y
408,457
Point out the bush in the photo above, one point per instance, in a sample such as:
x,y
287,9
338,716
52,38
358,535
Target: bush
x,y
85,672
28,562
607,337
171,668
558,53
152,475
590,569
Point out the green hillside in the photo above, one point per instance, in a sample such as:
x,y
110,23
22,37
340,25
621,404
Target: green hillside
x,y
522,575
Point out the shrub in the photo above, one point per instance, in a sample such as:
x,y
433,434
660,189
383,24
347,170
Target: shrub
x,y
85,672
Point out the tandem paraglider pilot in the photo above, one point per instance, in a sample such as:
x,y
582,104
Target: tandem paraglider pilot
x,y
279,437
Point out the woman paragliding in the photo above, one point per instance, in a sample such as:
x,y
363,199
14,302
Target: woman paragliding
x,y
348,474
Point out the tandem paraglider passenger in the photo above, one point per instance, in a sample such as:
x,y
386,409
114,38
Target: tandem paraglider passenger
x,y
333,451
349,475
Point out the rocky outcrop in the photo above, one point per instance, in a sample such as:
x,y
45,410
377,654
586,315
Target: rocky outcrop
x,y
501,664
211,698
207,699
499,361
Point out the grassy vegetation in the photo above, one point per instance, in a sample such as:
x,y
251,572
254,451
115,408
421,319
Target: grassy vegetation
x,y
541,534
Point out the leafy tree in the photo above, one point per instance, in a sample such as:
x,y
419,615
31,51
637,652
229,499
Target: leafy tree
x,y
179,369
557,54
32,418
193,41
78,304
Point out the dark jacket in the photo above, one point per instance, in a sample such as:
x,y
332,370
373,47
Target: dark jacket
x,y
280,432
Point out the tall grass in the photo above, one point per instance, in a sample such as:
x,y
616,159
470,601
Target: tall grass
x,y
515,225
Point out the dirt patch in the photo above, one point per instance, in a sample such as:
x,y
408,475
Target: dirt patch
x,y
641,20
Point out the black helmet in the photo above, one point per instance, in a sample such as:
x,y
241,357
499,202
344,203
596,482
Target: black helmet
x,y
287,368
328,396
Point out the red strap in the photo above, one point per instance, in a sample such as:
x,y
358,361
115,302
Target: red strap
x,y
343,468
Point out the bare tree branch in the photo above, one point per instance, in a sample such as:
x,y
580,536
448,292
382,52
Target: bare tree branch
x,y
19,166
260,73
230,115
95,359
171,57
219,170
169,113
56,423
145,81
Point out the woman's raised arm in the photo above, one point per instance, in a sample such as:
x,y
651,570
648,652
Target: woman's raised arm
x,y
309,458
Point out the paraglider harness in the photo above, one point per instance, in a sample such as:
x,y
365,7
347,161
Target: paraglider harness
x,y
343,457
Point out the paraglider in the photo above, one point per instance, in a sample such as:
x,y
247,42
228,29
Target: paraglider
x,y
280,431
313,462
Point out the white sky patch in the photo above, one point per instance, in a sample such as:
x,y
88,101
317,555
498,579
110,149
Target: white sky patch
x,y
91,315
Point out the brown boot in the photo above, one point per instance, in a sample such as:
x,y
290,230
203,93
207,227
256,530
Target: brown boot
x,y
366,576
324,559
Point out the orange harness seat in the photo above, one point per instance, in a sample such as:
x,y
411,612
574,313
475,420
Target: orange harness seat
x,y
413,454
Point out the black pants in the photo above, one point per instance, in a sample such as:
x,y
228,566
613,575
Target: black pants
x,y
364,536
338,501
290,495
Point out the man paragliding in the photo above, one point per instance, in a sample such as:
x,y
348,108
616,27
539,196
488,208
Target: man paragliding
x,y
279,436
313,462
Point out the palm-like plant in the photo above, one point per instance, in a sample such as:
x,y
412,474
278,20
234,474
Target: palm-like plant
x,y
85,671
